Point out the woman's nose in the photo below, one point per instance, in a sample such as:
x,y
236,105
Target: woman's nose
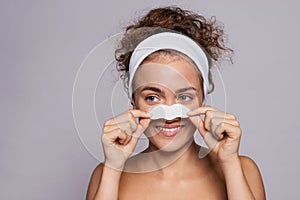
x,y
171,101
177,119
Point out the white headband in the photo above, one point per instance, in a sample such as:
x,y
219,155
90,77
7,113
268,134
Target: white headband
x,y
173,41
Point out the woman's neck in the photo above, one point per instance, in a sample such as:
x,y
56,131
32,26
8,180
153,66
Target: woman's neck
x,y
166,163
177,163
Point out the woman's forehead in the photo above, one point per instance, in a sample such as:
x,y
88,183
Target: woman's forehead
x,y
174,75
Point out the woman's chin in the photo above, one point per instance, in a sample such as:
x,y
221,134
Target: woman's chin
x,y
173,144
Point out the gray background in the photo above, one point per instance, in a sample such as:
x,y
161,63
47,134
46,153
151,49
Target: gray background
x,y
43,43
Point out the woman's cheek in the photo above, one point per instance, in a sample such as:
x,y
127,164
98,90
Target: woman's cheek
x,y
147,108
192,105
143,105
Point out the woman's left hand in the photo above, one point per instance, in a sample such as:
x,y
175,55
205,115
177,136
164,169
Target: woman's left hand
x,y
220,130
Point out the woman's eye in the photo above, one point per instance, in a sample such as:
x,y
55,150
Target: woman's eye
x,y
185,98
152,98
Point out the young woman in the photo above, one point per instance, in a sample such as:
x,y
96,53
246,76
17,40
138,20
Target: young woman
x,y
166,59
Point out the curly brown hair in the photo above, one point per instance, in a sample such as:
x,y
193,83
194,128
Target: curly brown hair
x,y
207,32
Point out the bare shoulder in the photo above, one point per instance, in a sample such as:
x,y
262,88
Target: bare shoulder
x,y
253,176
249,166
94,181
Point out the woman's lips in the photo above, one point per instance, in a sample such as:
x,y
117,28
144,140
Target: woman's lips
x,y
169,130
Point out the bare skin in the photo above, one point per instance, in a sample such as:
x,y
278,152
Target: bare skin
x,y
191,183
222,174
196,180
188,184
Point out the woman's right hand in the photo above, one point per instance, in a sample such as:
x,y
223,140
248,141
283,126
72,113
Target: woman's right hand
x,y
120,136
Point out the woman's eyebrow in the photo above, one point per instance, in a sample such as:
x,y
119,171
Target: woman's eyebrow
x,y
184,89
154,89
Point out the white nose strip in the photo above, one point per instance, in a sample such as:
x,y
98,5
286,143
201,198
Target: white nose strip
x,y
169,112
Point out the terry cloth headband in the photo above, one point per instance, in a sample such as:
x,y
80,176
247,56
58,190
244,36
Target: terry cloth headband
x,y
173,41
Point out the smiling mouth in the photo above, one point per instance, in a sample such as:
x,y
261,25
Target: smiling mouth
x,y
169,131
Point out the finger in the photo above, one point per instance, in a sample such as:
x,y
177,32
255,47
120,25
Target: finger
x,y
142,126
121,122
124,117
139,131
201,110
129,116
207,136
132,120
197,121
114,136
215,122
231,131
211,112
212,118
232,122
210,140
125,126
132,114
140,114
215,116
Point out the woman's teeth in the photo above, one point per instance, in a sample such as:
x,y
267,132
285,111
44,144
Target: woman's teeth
x,y
169,129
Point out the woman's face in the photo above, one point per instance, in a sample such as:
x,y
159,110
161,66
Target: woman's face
x,y
168,81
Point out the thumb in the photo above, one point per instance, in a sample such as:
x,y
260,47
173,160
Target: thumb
x,y
142,126
197,121
206,135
